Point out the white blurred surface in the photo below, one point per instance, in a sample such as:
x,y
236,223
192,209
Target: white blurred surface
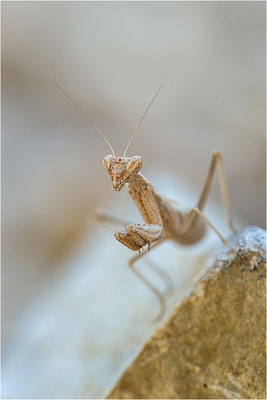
x,y
76,341
111,57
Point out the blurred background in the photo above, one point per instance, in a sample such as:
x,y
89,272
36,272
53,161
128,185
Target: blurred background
x,y
111,57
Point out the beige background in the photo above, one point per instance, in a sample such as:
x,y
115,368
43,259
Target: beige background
x,y
111,57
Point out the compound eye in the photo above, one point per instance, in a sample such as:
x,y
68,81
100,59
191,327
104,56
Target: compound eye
x,y
107,162
134,164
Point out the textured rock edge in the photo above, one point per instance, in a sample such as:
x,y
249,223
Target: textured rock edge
x,y
213,344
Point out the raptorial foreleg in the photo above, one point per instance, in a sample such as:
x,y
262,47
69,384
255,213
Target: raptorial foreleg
x,y
104,217
136,236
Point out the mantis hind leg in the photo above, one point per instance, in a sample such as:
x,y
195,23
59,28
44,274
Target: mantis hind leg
x,y
217,160
195,212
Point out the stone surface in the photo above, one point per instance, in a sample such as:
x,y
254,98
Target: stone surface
x,y
213,344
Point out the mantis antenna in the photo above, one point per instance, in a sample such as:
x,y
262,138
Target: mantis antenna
x,y
83,113
135,132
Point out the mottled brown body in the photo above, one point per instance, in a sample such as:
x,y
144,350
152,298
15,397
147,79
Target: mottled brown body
x,y
164,218
157,209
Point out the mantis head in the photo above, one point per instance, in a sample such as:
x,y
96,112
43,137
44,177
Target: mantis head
x,y
122,169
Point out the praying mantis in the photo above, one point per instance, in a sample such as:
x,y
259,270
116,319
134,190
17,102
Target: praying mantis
x,y
164,219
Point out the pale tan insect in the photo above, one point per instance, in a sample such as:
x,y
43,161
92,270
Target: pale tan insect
x,y
164,219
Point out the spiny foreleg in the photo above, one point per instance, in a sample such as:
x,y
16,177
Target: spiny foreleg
x,y
136,236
